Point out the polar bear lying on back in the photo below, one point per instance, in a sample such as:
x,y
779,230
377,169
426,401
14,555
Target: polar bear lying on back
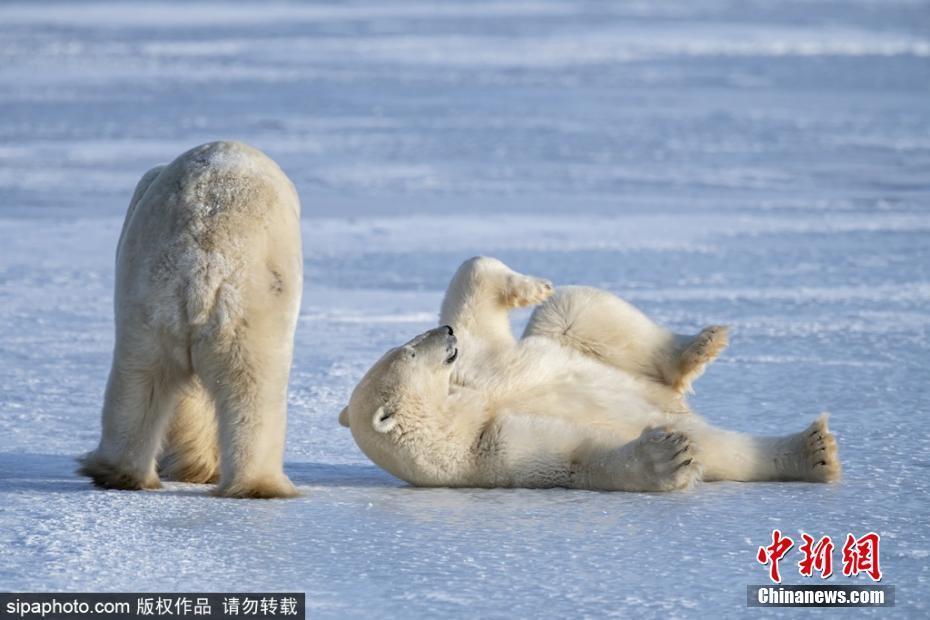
x,y
592,397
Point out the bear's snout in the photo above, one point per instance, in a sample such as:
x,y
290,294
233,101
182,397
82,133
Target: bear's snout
x,y
439,341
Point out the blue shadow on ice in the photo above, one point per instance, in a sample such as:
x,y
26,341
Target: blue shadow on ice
x,y
49,473
326,475
54,473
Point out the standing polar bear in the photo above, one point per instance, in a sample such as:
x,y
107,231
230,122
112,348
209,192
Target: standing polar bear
x,y
208,285
592,397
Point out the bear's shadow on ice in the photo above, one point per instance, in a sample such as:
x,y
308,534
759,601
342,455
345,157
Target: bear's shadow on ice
x,y
48,473
55,473
327,475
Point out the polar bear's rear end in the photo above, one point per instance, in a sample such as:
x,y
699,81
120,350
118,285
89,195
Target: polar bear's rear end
x,y
208,286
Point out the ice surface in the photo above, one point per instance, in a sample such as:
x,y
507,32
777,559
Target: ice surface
x,y
761,164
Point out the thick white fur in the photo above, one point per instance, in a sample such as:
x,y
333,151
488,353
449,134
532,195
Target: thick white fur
x,y
208,285
591,397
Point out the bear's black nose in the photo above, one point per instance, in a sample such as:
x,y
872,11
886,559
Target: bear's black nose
x,y
449,327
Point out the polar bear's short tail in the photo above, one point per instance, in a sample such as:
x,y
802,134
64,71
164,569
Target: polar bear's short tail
x,y
212,290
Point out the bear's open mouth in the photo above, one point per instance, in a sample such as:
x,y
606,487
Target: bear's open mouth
x,y
451,358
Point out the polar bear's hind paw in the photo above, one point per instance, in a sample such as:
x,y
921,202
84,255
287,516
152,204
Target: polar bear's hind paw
x,y
701,351
270,488
821,453
108,476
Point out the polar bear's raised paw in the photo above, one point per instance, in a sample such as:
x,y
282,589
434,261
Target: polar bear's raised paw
x,y
701,351
521,291
822,457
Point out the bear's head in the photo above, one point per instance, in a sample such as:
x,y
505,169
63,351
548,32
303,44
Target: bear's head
x,y
396,411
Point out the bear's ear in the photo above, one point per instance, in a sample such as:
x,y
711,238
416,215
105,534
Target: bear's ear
x,y
344,417
383,420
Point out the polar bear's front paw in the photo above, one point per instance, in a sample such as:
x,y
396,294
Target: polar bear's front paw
x,y
821,458
260,488
521,291
668,460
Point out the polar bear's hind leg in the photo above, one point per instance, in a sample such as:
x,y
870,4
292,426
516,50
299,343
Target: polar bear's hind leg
x,y
600,324
809,456
603,326
248,383
140,398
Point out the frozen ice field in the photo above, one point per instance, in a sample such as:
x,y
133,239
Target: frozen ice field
x,y
760,164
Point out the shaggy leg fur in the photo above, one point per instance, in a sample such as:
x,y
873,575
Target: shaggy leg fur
x,y
727,455
609,329
137,407
480,295
248,383
526,451
191,450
